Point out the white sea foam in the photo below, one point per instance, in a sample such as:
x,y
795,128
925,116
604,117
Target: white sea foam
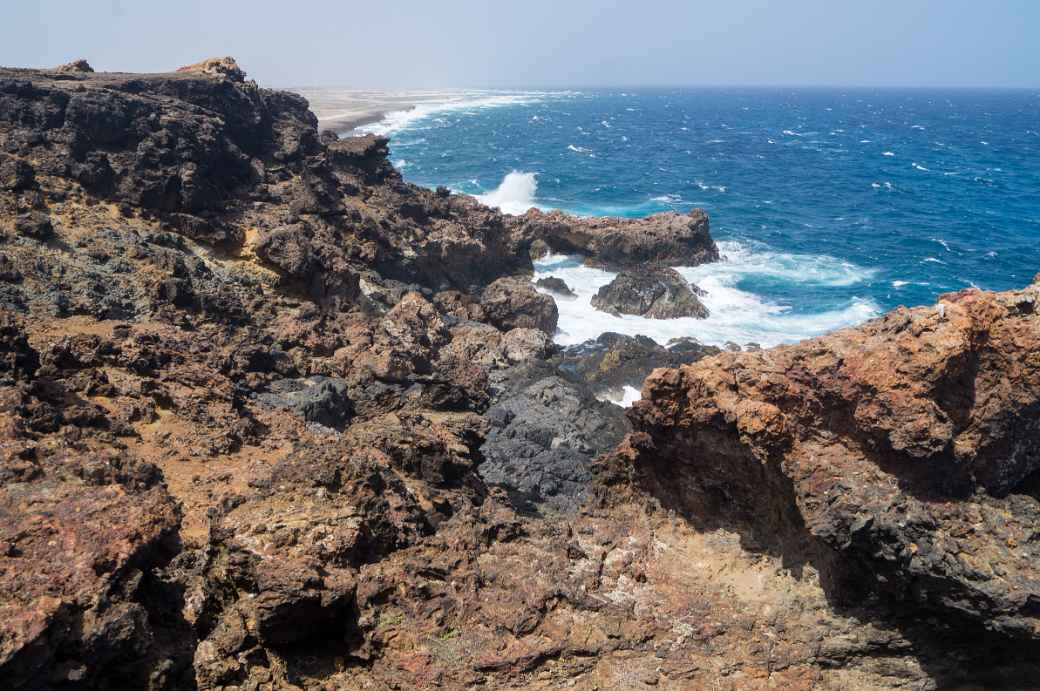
x,y
706,187
623,398
578,149
918,166
889,153
899,284
736,315
514,195
440,104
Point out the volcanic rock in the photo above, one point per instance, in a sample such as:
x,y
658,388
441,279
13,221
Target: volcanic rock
x,y
545,433
555,285
319,399
657,293
74,66
35,225
15,174
903,448
667,239
268,419
511,303
613,361
224,68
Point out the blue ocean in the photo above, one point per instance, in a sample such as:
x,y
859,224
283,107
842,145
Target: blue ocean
x,y
831,206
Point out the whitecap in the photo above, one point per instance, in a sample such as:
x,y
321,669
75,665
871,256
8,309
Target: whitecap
x,y
933,260
577,149
515,195
792,133
918,166
628,396
888,153
737,315
899,284
439,104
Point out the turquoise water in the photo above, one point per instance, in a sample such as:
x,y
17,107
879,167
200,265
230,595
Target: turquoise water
x,y
832,205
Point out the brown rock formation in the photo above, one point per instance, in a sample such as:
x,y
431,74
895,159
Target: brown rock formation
x,y
271,417
655,292
668,239
905,451
74,66
224,68
511,303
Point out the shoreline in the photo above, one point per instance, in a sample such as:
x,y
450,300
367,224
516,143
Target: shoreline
x,y
343,111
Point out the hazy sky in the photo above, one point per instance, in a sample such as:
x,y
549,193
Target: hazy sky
x,y
443,43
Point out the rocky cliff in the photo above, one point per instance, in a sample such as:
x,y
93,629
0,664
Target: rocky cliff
x,y
271,417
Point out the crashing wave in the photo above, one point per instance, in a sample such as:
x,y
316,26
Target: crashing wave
x,y
515,195
736,314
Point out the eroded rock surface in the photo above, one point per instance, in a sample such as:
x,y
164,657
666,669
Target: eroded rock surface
x,y
655,293
905,451
271,417
667,239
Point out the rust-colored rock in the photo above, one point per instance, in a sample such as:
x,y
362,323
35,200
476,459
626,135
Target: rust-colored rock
x,y
512,303
225,68
272,417
906,448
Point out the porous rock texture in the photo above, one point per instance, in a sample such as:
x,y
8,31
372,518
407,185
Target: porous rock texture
x,y
655,293
272,418
665,239
900,459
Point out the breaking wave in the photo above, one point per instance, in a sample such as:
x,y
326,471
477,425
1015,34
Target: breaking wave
x,y
738,314
514,195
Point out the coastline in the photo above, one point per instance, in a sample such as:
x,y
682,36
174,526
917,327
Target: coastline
x,y
345,110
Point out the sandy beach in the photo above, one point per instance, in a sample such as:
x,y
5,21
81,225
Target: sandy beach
x,y
345,110
342,110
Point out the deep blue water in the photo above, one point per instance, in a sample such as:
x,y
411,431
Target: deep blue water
x,y
904,193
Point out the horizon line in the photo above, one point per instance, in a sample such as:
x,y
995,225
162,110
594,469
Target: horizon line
x,y
623,87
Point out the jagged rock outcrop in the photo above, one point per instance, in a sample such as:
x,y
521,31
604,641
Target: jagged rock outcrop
x,y
613,361
221,68
545,432
74,66
511,303
666,239
271,417
555,285
906,449
656,293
